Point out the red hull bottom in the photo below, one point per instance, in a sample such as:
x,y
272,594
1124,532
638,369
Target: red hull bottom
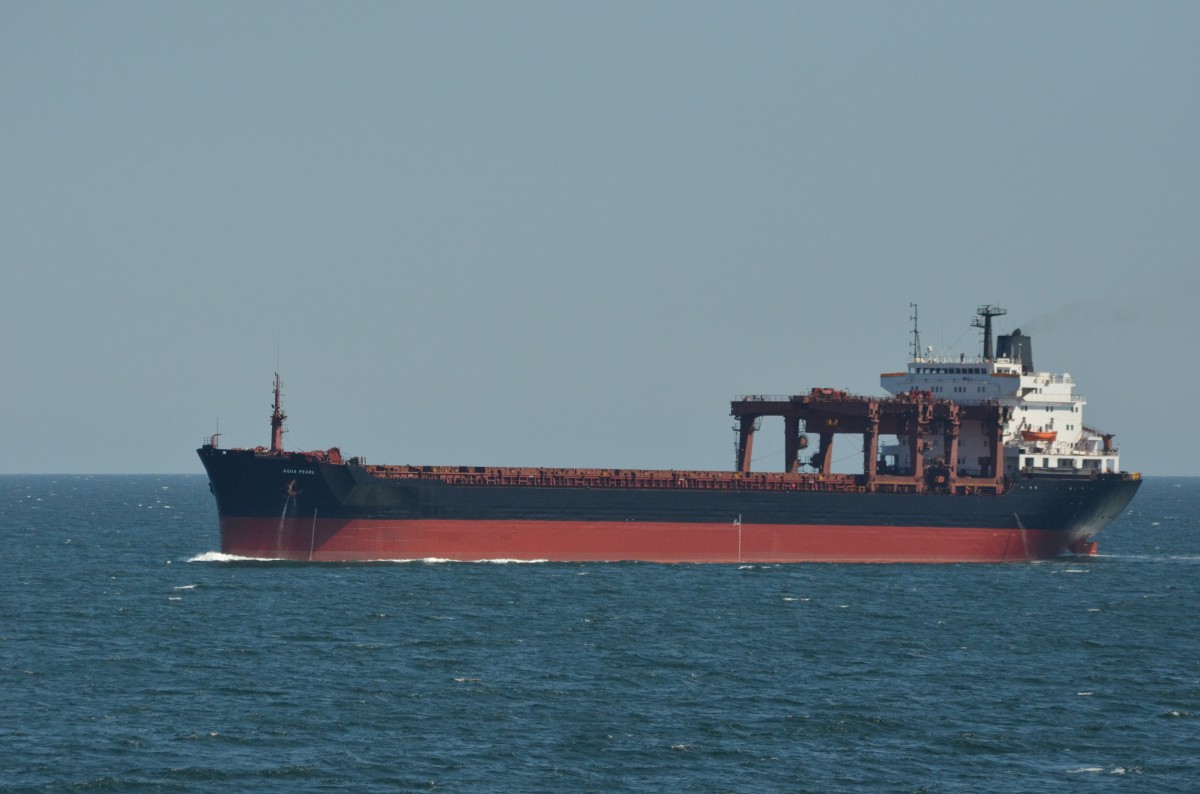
x,y
327,540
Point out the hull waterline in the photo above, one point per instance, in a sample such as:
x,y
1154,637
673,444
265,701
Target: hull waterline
x,y
333,540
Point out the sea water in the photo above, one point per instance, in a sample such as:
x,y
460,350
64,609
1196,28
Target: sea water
x,y
134,657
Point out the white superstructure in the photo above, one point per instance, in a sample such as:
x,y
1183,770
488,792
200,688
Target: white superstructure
x,y
1044,428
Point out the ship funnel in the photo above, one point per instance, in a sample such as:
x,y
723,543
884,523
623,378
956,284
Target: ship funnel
x,y
1016,347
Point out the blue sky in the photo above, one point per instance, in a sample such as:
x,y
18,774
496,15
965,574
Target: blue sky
x,y
569,233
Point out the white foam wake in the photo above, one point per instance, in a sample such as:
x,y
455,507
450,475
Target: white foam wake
x,y
216,556
504,561
443,560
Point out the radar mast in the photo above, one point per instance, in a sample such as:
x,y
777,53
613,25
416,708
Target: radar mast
x,y
916,334
984,321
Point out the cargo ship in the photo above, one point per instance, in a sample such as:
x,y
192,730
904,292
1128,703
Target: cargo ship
x,y
969,459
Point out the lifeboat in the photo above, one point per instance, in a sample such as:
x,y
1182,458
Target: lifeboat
x,y
1042,436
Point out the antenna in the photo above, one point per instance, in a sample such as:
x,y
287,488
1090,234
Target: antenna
x,y
916,334
984,321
